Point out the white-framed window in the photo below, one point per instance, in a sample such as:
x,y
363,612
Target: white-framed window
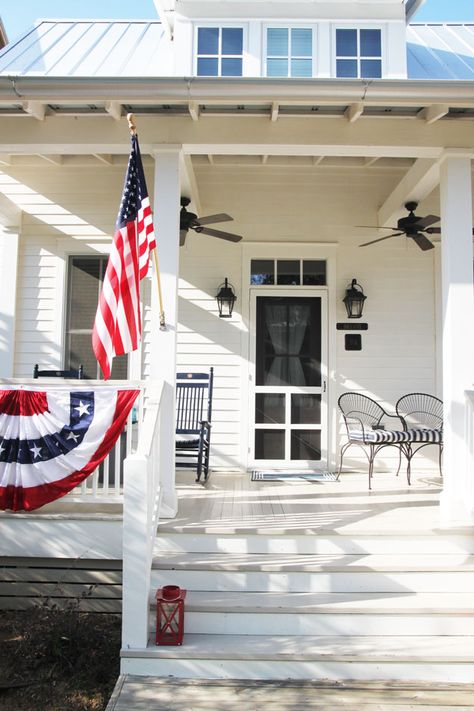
x,y
85,275
219,51
287,272
358,52
289,51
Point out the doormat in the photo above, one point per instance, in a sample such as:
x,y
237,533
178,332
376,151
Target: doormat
x,y
294,476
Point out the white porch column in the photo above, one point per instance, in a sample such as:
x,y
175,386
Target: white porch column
x,y
163,360
457,502
9,248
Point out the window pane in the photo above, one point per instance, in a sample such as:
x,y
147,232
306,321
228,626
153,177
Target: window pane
x,y
305,409
79,352
207,67
231,67
232,40
262,271
301,43
314,272
208,40
370,43
277,42
346,43
84,289
346,68
301,68
371,68
306,444
277,67
269,444
288,271
270,408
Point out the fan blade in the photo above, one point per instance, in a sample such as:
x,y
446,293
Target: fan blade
x,y
396,234
182,237
211,219
222,235
375,227
433,230
426,221
423,242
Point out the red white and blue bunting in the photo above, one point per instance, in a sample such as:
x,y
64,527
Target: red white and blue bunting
x,y
52,439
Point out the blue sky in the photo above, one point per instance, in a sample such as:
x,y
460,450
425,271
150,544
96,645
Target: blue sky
x,y
19,15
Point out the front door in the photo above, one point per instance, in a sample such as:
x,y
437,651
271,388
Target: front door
x,y
288,380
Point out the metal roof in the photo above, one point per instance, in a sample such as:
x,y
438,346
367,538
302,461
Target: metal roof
x,y
123,48
440,51
92,48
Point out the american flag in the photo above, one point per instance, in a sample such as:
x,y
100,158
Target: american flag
x,y
117,326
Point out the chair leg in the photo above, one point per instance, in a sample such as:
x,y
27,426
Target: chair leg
x,y
343,451
440,461
371,464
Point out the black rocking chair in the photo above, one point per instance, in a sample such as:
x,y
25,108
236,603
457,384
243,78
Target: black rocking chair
x,y
78,374
193,421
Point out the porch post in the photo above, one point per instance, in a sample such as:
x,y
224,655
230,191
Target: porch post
x,y
9,248
163,353
457,500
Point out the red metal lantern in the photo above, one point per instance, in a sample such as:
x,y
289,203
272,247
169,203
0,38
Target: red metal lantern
x,y
170,615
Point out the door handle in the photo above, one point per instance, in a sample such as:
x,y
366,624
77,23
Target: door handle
x,y
324,386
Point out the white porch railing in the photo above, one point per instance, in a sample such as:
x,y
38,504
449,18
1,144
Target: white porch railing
x,y
141,503
469,394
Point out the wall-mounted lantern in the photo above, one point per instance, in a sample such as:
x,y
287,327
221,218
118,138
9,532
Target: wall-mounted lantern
x,y
226,299
354,300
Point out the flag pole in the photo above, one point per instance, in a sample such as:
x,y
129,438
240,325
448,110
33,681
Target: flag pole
x,y
133,131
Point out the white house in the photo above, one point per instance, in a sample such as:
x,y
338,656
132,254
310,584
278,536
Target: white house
x,y
302,121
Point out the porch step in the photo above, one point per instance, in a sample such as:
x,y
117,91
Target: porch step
x,y
421,658
345,614
316,573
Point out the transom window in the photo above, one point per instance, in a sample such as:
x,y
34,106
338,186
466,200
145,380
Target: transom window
x,y
287,272
85,277
359,53
289,52
220,51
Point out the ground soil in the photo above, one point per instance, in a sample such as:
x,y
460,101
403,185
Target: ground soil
x,y
55,659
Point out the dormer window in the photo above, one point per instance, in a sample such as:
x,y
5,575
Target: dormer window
x,y
289,52
219,51
358,53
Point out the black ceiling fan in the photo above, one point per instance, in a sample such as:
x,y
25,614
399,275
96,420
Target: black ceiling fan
x,y
190,221
412,226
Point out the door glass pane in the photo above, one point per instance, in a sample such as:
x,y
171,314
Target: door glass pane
x,y
288,272
277,42
277,67
301,42
346,68
301,68
232,40
346,43
269,444
262,272
306,444
305,409
288,341
270,408
370,43
314,272
371,68
208,40
231,67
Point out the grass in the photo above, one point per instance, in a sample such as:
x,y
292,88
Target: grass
x,y
57,659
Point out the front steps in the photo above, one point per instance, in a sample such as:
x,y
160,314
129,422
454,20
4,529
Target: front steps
x,y
277,604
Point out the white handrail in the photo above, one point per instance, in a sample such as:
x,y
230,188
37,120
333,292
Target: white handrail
x,y
141,502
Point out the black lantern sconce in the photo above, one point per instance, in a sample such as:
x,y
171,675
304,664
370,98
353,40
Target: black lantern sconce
x,y
225,299
354,300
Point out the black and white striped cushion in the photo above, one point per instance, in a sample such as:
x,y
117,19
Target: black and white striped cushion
x,y
396,437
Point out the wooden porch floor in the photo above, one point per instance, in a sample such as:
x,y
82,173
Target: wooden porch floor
x,y
231,502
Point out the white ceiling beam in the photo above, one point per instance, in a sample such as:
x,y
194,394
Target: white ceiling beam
x,y
274,111
194,110
54,159
35,108
114,109
107,159
189,186
433,113
416,185
354,111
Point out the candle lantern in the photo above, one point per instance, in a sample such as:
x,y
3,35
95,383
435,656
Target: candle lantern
x,y
170,615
